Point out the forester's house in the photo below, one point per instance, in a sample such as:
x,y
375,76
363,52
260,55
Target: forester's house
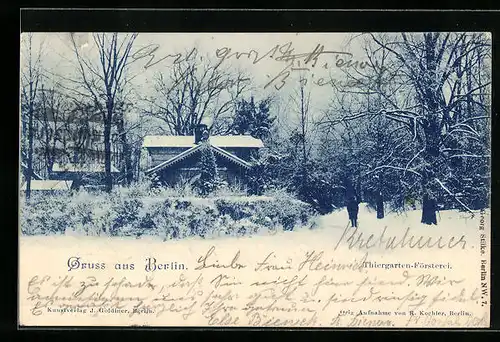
x,y
87,174
175,158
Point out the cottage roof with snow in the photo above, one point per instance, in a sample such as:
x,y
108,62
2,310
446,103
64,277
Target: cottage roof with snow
x,y
222,141
177,154
185,154
85,168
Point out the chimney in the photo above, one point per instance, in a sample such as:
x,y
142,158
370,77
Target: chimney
x,y
200,133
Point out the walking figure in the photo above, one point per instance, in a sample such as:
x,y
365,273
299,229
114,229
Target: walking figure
x,y
352,210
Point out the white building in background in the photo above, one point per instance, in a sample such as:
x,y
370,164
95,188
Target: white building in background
x,y
77,149
47,185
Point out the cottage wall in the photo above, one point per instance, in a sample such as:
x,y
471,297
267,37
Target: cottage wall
x,y
160,154
244,153
231,173
185,172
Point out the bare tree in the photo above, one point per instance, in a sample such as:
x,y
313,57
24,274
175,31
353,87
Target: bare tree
x,y
302,140
125,137
30,80
104,80
302,101
77,132
54,112
194,90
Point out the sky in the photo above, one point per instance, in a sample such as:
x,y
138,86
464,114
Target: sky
x,y
58,58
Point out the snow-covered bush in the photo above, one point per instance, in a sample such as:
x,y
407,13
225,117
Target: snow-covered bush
x,y
279,210
139,210
44,215
125,212
178,218
89,213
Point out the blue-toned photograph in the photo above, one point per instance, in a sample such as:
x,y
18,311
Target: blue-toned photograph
x,y
224,135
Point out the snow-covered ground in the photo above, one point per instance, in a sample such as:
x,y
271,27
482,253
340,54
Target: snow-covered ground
x,y
328,240
325,226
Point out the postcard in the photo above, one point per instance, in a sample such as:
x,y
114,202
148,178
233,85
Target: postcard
x,y
269,180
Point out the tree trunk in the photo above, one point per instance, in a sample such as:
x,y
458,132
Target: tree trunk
x,y
379,199
108,179
429,210
128,162
432,132
49,150
429,188
358,190
127,153
380,206
29,165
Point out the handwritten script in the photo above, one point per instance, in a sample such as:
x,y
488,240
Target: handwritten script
x,y
289,61
319,58
346,285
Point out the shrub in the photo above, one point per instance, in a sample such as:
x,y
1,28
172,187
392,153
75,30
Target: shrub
x,y
269,211
236,209
164,222
89,213
138,211
44,215
288,211
125,212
